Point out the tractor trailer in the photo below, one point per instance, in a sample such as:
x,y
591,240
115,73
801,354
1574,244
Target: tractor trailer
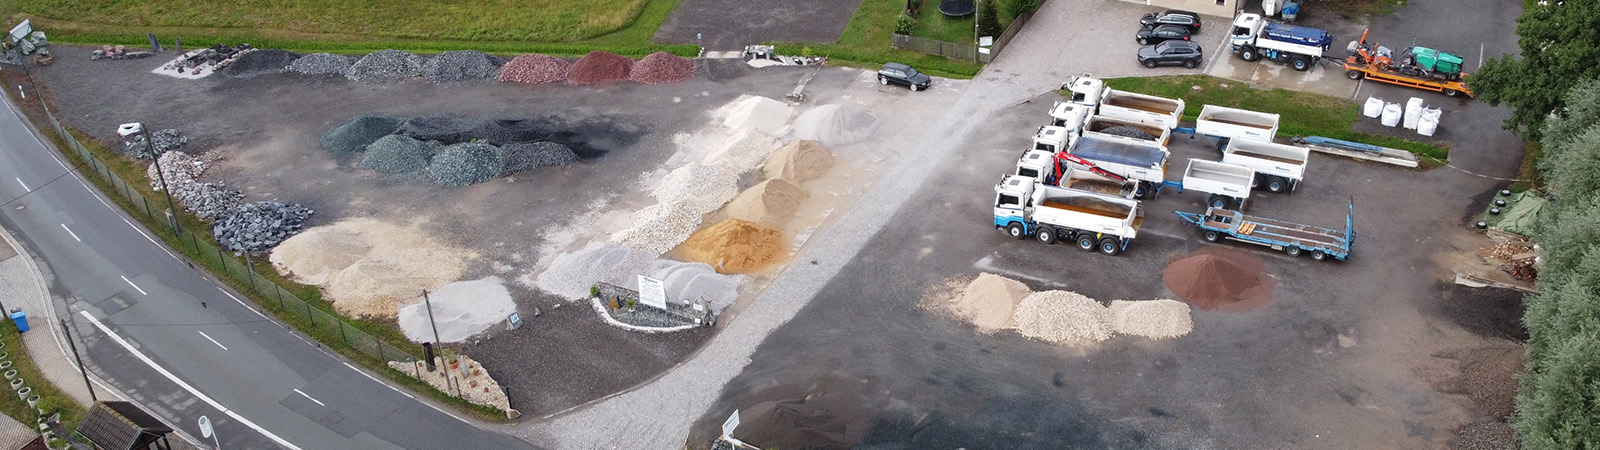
x,y
1255,38
1025,207
1279,168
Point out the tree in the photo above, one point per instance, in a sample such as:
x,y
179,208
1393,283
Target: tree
x,y
988,20
1559,47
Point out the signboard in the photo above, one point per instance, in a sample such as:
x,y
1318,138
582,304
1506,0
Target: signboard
x,y
513,322
986,41
652,292
205,427
21,31
730,424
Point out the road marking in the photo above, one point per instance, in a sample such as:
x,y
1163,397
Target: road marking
x,y
241,302
24,185
1480,56
196,392
308,397
208,337
151,239
376,380
135,286
987,264
69,231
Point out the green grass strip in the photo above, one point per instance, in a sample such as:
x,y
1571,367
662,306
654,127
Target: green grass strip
x,y
51,399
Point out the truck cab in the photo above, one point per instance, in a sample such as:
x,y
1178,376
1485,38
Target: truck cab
x,y
1052,138
1069,115
1011,198
1085,91
1037,164
1245,29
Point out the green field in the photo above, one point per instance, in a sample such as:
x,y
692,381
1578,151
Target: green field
x,y
866,43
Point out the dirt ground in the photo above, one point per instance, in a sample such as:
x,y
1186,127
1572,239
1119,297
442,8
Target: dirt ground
x,y
733,24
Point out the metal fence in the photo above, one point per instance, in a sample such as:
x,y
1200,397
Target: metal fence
x,y
955,50
324,326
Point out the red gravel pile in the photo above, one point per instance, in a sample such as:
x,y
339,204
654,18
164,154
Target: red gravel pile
x,y
662,68
599,67
534,69
1219,278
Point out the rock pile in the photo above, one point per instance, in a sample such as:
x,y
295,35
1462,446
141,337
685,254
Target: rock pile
x,y
658,228
1219,278
1151,318
662,68
177,168
700,187
836,125
163,141
1132,132
798,162
599,67
465,164
260,62
449,128
461,65
385,66
353,135
257,227
507,130
208,201
321,64
989,302
1062,317
771,203
396,154
534,69
520,156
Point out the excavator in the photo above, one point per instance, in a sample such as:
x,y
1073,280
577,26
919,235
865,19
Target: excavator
x,y
1418,67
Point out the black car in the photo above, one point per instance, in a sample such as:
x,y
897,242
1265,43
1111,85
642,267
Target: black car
x,y
1178,17
1163,33
903,74
1186,53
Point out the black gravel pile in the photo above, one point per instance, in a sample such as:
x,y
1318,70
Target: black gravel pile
x,y
445,127
321,64
163,140
385,66
357,133
465,164
396,154
520,156
260,62
461,65
508,130
1129,132
209,201
259,226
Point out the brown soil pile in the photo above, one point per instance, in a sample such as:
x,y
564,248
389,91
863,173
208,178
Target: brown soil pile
x,y
599,67
1062,317
1151,318
798,162
368,267
534,69
662,68
771,203
990,302
1219,278
735,246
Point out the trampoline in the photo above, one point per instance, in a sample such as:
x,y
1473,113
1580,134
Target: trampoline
x,y
957,8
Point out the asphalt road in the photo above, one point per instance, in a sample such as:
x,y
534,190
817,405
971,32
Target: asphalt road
x,y
183,347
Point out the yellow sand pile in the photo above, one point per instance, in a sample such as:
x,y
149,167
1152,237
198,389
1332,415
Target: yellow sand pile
x,y
990,301
771,203
735,246
368,267
798,162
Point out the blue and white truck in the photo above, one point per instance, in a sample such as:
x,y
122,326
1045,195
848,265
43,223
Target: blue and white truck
x,y
1253,38
1025,207
1217,224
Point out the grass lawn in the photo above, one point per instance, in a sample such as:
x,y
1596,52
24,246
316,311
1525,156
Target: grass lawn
x,y
50,398
866,44
935,25
563,28
1301,114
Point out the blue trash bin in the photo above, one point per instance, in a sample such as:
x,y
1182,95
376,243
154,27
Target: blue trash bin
x,y
21,319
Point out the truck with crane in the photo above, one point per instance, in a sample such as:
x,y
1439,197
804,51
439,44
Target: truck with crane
x,y
1139,160
1136,107
1217,224
1279,168
1417,67
1024,207
1254,38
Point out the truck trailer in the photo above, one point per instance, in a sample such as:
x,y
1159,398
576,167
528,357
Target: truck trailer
x,y
1292,238
1279,168
1141,161
1255,38
1233,123
1131,106
1025,207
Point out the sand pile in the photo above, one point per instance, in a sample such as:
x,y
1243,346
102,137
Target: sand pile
x,y
759,113
771,203
836,125
990,302
366,267
798,162
534,69
1151,318
1062,317
1219,278
598,67
460,310
735,246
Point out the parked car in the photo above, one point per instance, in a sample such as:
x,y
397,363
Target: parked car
x,y
903,74
1163,33
1186,53
1178,17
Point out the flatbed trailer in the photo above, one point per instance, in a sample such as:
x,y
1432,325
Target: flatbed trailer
x,y
1217,224
1357,71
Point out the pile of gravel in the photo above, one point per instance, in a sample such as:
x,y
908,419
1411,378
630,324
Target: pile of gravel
x,y
520,156
321,64
259,226
444,127
385,66
1062,317
1126,131
662,68
599,67
357,133
260,62
209,201
163,140
701,187
177,168
508,130
461,65
465,164
658,228
396,154
534,69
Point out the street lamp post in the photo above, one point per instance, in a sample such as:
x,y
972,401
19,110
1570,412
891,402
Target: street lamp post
x,y
150,146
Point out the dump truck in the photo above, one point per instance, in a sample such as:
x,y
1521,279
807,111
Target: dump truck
x,y
1228,124
1255,38
1053,169
1417,67
1111,126
1069,115
1293,239
1144,162
1279,168
1025,207
1136,107
1228,184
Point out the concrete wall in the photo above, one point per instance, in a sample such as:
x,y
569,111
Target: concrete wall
x,y
1219,8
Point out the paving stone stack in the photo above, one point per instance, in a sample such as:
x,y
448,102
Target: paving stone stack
x,y
257,227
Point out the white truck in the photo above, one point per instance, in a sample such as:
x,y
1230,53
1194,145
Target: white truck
x,y
1126,128
1069,115
1279,168
1255,38
1025,207
1228,184
1131,106
1230,124
1044,166
1141,161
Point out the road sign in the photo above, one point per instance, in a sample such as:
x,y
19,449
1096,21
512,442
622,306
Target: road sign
x,y
730,424
652,292
205,426
21,31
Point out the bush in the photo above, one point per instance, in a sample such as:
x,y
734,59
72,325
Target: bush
x,y
989,21
1016,8
904,23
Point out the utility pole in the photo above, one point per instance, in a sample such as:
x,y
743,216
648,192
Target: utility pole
x,y
426,303
150,146
81,368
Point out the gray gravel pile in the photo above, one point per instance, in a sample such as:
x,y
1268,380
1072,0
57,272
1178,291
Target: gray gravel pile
x,y
1129,132
177,168
357,133
396,154
507,130
385,66
520,156
259,226
461,65
465,164
645,316
260,62
321,64
444,127
163,140
209,201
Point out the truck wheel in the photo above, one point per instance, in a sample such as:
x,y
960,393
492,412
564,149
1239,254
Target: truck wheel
x,y
1218,201
1255,182
1354,74
1110,246
1248,54
1300,63
1451,92
1212,236
1045,235
1086,242
1318,255
1292,251
1277,185
1016,231
1140,191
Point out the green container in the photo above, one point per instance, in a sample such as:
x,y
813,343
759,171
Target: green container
x,y
1437,61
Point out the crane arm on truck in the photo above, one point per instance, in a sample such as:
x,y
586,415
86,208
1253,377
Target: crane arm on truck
x,y
1075,159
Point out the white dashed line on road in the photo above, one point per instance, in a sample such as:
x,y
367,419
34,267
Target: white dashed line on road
x,y
24,185
208,337
308,397
69,231
135,286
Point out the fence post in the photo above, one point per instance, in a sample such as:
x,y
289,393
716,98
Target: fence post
x,y
381,358
280,294
250,272
342,336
